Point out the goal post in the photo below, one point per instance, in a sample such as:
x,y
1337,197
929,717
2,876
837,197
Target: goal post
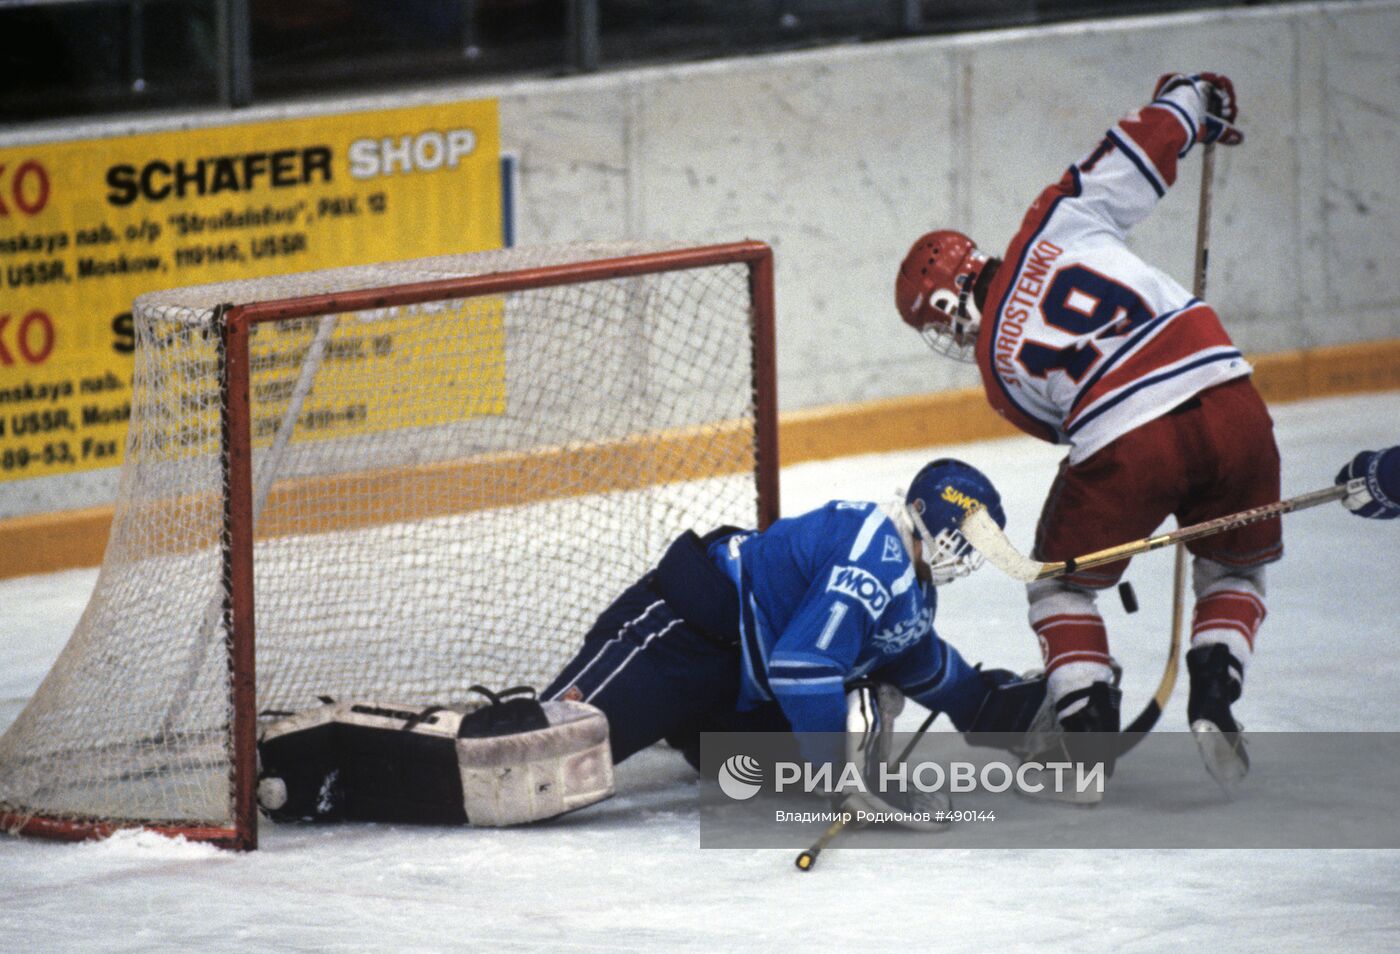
x,y
387,482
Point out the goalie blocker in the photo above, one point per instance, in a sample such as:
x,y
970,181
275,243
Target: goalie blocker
x,y
513,760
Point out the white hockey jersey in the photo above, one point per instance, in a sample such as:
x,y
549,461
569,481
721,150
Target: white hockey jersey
x,y
1081,340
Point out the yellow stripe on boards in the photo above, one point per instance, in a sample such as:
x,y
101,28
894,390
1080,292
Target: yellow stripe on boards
x,y
44,543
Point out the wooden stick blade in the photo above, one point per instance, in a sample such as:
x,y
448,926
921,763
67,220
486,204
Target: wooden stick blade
x,y
989,540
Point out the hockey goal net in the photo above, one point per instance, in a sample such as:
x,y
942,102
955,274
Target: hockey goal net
x,y
405,479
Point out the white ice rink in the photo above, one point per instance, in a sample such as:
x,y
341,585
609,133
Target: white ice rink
x,y
628,874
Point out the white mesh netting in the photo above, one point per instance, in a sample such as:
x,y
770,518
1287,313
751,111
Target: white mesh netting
x,y
446,494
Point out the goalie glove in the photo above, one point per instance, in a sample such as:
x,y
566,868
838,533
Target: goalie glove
x,y
1216,105
1012,706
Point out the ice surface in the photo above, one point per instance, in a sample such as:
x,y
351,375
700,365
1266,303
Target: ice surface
x,y
628,875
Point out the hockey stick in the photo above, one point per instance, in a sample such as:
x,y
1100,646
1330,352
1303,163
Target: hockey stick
x,y
808,858
1153,710
989,539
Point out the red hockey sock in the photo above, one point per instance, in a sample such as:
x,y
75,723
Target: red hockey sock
x,y
1072,637
1231,617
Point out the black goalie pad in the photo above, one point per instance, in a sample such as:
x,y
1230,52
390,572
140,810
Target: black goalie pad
x,y
510,761
362,762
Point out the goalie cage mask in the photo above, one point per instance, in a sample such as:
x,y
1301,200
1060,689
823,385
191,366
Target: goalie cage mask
x,y
941,495
934,292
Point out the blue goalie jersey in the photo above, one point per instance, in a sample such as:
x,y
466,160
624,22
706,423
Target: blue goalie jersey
x,y
831,596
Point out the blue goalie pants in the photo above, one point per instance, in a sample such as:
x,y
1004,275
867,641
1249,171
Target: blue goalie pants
x,y
656,676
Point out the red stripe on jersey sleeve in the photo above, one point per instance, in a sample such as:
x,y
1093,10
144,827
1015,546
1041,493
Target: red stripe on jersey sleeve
x,y
1159,134
1194,330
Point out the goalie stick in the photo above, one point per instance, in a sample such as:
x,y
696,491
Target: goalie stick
x,y
808,858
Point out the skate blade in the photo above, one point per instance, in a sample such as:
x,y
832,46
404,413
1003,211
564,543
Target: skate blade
x,y
1224,760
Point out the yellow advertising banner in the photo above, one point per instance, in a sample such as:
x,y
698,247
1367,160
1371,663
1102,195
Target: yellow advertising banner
x,y
87,226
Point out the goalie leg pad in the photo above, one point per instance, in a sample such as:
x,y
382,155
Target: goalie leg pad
x,y
513,777
501,764
361,762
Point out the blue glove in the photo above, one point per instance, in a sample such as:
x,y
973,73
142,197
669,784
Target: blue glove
x,y
1380,470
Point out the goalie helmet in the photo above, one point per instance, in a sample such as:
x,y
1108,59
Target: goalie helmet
x,y
933,292
940,496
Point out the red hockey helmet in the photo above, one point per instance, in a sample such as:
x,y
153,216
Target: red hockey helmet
x,y
933,291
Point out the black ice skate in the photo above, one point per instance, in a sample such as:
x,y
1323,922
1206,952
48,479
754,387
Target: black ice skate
x,y
1215,683
1086,738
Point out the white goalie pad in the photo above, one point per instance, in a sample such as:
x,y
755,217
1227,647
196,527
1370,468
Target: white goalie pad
x,y
528,776
504,763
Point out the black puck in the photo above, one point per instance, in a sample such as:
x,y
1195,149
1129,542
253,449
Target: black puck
x,y
1129,598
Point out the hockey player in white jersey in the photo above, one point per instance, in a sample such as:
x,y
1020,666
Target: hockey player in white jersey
x,y
1081,342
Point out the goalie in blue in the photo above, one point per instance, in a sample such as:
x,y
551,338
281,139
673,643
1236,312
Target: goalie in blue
x,y
740,630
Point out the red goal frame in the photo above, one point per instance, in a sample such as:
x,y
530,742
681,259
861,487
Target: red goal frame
x,y
234,327
237,325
